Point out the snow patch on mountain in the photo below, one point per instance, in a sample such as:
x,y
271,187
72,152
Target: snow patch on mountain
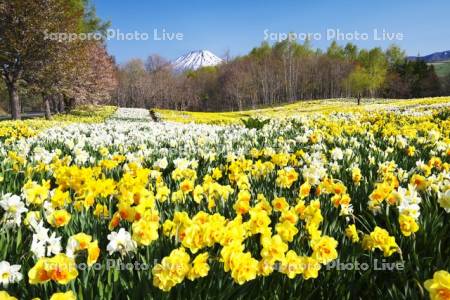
x,y
195,60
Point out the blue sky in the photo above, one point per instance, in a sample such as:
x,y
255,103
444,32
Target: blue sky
x,y
238,26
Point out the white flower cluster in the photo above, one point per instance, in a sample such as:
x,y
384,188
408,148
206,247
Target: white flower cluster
x,y
159,144
419,110
43,244
443,189
131,114
14,208
409,201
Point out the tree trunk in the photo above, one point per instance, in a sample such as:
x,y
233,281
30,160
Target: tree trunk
x,y
14,100
68,103
54,103
47,111
61,106
359,99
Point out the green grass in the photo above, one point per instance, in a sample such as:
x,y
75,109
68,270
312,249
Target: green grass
x,y
442,68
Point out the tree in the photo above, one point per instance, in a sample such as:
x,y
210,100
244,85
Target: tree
x,y
359,82
426,83
156,62
375,66
264,73
3,96
27,55
98,77
395,56
133,83
18,40
351,52
420,78
446,85
335,51
270,74
235,84
52,74
23,47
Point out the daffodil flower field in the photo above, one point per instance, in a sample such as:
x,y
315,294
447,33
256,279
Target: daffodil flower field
x,y
322,203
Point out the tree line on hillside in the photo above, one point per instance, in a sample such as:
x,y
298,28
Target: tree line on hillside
x,y
272,74
56,72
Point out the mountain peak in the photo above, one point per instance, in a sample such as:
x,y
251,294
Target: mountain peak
x,y
195,60
434,57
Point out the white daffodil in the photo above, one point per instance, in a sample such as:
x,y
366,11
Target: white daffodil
x,y
444,200
81,156
43,244
9,273
14,208
161,163
120,242
53,245
337,154
38,247
409,201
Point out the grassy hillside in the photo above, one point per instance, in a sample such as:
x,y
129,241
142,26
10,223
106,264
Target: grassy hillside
x,y
442,68
297,108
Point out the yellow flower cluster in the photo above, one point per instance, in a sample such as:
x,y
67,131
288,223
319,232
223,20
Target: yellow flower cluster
x,y
174,268
439,286
205,230
60,268
288,200
299,108
81,242
56,296
380,239
11,131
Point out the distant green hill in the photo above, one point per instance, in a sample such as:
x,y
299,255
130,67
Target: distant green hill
x,y
442,68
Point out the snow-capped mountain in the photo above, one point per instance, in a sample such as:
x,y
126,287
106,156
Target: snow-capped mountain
x,y
195,60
